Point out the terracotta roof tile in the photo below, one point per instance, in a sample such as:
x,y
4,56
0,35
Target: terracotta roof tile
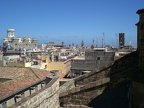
x,y
41,73
11,72
62,75
21,77
15,85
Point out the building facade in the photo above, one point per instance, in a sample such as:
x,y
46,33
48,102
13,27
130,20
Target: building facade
x,y
61,66
10,42
121,40
92,60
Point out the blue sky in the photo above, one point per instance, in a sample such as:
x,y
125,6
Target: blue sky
x,y
71,21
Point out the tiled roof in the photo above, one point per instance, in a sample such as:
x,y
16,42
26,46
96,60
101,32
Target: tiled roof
x,y
15,85
41,73
62,75
11,72
21,77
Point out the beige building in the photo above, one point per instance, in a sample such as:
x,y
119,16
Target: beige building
x,y
1,56
60,67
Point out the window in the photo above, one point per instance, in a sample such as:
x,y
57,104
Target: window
x,y
45,66
98,58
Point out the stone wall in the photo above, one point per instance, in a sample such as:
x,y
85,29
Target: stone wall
x,y
97,82
45,98
99,55
82,95
66,86
137,95
93,76
120,68
93,60
140,37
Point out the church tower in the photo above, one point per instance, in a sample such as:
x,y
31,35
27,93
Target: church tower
x,y
10,33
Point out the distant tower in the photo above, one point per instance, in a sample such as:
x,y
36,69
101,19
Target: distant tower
x,y
10,33
82,43
62,43
102,42
121,40
72,44
117,40
97,42
93,41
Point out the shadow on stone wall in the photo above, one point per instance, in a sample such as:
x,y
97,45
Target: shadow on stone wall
x,y
105,83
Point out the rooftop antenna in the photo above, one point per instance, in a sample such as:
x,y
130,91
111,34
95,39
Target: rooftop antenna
x,y
93,41
116,40
102,43
103,40
97,42
112,43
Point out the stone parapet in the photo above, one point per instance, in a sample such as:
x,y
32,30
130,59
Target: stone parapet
x,y
97,82
45,98
137,95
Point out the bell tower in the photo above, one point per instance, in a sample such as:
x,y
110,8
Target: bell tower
x,y
10,33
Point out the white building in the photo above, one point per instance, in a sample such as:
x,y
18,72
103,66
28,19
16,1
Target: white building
x,y
10,42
